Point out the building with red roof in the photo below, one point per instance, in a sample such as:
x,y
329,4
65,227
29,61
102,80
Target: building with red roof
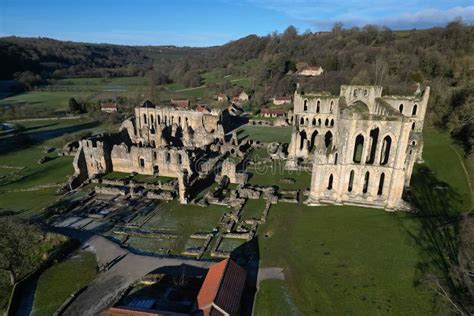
x,y
222,289
266,112
109,107
182,104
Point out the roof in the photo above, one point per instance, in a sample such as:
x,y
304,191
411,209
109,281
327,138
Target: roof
x,y
184,103
202,108
223,286
124,311
282,98
273,111
108,106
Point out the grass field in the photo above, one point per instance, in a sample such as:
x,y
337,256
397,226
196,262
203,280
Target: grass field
x,y
32,186
273,299
266,134
57,283
274,173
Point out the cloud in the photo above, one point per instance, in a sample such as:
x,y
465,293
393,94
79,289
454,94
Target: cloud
x,y
322,14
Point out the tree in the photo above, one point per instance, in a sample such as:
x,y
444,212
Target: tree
x,y
19,250
74,106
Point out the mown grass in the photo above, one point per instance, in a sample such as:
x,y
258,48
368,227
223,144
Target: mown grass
x,y
275,174
266,134
273,299
57,283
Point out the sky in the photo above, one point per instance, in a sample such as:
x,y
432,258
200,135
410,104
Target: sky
x,y
212,22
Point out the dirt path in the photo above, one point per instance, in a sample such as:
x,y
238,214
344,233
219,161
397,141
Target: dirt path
x,y
461,160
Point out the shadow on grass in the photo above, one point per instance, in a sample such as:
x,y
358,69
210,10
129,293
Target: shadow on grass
x,y
437,215
23,140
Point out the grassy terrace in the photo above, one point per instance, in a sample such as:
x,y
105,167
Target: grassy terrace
x,y
274,173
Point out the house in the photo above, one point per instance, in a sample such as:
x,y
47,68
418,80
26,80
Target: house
x,y
182,104
241,97
311,71
203,108
221,97
265,112
281,100
109,107
222,289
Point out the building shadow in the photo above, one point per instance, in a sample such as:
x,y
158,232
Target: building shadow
x,y
438,208
247,256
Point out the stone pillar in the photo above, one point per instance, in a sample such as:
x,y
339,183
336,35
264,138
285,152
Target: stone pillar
x,y
183,183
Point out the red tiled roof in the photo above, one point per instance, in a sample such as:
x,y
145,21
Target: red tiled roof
x,y
180,103
123,311
108,106
273,111
315,68
282,98
223,286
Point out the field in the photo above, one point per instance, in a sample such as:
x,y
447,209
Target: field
x,y
26,186
266,134
57,283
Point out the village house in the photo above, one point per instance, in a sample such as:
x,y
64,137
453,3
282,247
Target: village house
x,y
180,103
266,112
221,97
242,97
281,100
311,71
109,107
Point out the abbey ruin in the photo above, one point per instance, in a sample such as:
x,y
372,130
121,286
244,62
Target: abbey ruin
x,y
362,145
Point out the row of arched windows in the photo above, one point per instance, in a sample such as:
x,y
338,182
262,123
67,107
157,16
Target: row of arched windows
x,y
318,122
359,148
318,106
413,110
171,119
365,186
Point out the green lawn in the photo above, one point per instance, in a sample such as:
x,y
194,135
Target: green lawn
x,y
273,299
57,283
274,173
55,101
266,134
253,209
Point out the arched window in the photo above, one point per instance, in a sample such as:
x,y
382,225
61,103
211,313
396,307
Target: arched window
x,y
152,119
331,106
328,139
305,105
142,162
168,157
302,121
381,181
400,108
366,92
144,118
302,139
154,155
358,148
313,139
319,122
335,158
413,111
351,181
332,122
355,92
158,119
413,126
318,106
387,143
374,138
330,182
366,182
180,159
326,123
314,122
179,120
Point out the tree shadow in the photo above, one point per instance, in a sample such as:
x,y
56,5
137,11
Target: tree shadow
x,y
438,208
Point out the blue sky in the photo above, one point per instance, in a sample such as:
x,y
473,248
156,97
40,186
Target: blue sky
x,y
211,22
